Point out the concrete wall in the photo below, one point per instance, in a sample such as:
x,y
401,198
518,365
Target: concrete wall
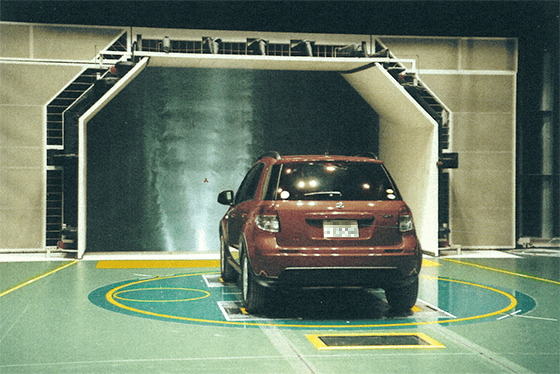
x,y
27,87
476,79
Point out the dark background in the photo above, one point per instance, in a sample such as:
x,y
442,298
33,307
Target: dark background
x,y
523,19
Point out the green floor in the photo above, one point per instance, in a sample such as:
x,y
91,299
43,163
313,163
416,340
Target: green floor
x,y
49,325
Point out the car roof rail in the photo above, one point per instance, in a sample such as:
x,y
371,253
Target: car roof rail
x,y
367,154
274,154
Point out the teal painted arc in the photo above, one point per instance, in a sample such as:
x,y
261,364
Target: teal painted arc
x,y
186,298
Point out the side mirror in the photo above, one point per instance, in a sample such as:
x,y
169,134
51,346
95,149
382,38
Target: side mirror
x,y
226,197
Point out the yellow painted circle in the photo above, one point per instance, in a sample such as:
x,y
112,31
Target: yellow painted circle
x,y
111,299
116,295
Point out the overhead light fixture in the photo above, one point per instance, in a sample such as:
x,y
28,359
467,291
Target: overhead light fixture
x,y
211,45
382,53
352,50
302,46
166,45
257,46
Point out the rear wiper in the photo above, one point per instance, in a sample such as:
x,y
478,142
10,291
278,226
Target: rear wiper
x,y
324,193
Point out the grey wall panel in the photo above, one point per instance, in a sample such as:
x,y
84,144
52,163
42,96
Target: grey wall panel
x,y
488,54
453,53
15,40
26,89
22,157
22,187
430,53
71,42
21,125
21,208
160,152
476,79
483,133
474,93
26,84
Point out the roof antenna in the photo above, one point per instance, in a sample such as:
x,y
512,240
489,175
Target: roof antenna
x,y
328,147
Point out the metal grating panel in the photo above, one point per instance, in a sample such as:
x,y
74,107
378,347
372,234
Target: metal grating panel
x,y
373,341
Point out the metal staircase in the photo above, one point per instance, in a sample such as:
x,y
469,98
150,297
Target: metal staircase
x,y
63,113
419,92
60,160
439,112
65,99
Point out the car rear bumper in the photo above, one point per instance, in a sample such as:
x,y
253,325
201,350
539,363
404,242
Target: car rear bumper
x,y
343,277
391,270
371,267
338,277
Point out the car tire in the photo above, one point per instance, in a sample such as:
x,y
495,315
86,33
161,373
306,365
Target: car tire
x,y
402,299
227,271
253,294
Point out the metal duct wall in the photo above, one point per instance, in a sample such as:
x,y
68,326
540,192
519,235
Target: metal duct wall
x,y
160,152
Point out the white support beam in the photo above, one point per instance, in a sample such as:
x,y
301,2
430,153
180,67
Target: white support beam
x,y
408,144
82,149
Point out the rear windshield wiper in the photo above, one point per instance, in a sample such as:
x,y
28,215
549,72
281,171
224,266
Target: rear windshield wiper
x,y
324,193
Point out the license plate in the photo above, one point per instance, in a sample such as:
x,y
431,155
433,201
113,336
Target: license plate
x,y
340,228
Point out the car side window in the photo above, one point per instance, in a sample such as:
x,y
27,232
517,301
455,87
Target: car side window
x,y
249,186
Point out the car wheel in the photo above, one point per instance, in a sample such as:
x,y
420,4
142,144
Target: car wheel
x,y
402,298
252,293
227,271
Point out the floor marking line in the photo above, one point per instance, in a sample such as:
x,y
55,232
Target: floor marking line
x,y
430,264
540,318
502,271
269,357
509,314
121,361
156,264
206,294
14,323
109,297
288,350
496,358
37,278
437,309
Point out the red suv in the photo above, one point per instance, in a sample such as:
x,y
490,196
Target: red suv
x,y
319,221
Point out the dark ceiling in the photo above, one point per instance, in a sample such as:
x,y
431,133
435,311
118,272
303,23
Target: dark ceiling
x,y
522,19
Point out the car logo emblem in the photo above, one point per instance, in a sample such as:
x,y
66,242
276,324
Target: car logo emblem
x,y
339,205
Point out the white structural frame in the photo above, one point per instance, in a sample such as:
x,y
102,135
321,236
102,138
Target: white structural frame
x,y
82,149
397,110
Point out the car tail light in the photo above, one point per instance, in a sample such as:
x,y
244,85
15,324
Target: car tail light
x,y
405,220
268,223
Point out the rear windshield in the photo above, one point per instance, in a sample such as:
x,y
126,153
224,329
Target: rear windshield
x,y
331,181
